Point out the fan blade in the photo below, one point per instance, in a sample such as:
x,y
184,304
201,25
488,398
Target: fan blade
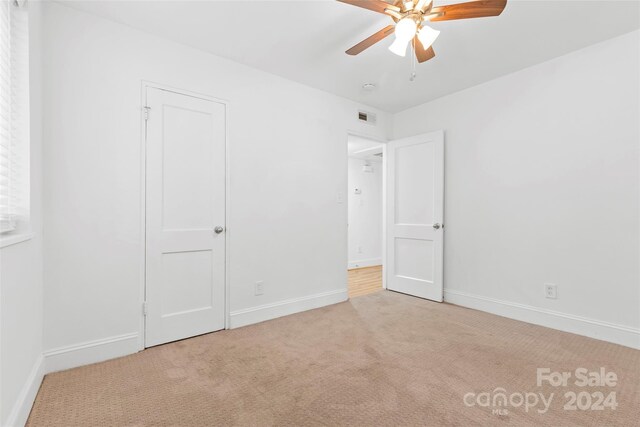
x,y
371,40
375,5
473,9
421,54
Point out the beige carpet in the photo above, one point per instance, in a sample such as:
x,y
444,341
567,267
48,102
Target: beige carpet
x,y
380,359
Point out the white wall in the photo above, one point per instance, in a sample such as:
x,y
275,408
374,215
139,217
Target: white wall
x,y
286,226
21,272
365,214
542,185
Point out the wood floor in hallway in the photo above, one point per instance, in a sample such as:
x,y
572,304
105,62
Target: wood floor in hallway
x,y
365,280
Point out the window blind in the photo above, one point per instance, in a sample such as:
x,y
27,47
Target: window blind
x,y
14,115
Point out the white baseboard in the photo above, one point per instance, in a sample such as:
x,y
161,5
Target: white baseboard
x,y
284,308
364,263
618,334
21,409
90,352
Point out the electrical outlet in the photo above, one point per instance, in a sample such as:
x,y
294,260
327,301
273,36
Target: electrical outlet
x,y
550,291
359,249
259,287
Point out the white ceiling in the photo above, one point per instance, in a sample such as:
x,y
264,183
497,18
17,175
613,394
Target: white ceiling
x,y
305,40
364,148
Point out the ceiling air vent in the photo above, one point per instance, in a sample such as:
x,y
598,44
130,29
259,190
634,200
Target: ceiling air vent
x,y
370,118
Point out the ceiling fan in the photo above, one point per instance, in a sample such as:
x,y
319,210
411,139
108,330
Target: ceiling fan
x,y
410,19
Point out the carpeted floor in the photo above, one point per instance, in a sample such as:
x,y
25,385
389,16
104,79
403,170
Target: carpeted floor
x,y
381,359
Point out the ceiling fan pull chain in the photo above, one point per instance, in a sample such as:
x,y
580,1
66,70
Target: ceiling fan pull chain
x,y
413,62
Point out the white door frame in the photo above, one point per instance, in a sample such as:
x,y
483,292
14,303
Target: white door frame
x,y
143,197
383,141
384,216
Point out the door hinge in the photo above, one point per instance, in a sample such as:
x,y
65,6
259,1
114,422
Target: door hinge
x,y
144,308
145,110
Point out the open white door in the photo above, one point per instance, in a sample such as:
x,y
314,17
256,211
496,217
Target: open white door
x,y
414,213
185,216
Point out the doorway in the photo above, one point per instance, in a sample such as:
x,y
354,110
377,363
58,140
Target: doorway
x,y
185,215
396,214
365,207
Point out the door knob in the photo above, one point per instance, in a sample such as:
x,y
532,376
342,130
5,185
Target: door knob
x,y
436,226
218,229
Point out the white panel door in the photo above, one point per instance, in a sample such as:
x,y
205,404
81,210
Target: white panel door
x,y
414,213
185,202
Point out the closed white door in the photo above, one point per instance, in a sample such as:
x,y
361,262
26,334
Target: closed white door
x,y
185,216
414,213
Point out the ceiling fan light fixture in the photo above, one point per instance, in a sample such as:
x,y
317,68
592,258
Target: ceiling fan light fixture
x,y
405,31
399,47
409,16
427,36
406,28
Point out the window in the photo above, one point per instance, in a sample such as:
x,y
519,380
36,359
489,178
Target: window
x,y
14,117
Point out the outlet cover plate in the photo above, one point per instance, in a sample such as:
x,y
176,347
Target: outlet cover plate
x,y
550,291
